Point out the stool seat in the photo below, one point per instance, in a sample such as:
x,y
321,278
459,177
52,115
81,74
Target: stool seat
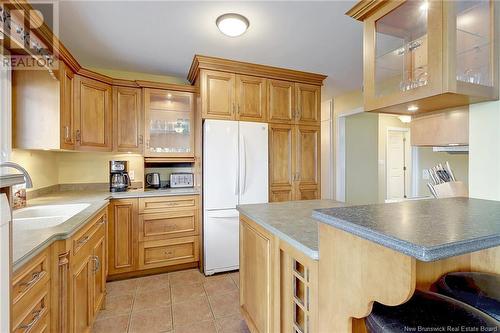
x,y
480,290
428,310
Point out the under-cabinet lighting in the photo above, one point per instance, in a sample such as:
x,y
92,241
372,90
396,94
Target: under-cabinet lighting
x,y
232,25
412,108
169,95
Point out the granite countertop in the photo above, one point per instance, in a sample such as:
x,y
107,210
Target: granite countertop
x,y
427,230
29,242
291,221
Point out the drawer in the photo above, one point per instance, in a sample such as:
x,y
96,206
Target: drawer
x,y
30,277
178,223
161,253
35,316
162,204
95,228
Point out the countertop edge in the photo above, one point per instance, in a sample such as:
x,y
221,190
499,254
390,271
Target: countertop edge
x,y
418,252
314,255
56,237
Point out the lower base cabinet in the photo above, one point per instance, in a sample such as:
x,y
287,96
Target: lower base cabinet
x,y
153,233
278,284
62,288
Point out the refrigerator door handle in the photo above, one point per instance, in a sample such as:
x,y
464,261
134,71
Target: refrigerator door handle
x,y
236,182
244,165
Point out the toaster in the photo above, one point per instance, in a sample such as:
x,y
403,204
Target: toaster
x,y
181,179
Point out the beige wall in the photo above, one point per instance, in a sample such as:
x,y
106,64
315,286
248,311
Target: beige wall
x,y
94,167
41,165
347,102
139,76
361,171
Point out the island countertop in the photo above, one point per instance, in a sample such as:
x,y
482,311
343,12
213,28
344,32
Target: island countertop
x,y
427,230
291,221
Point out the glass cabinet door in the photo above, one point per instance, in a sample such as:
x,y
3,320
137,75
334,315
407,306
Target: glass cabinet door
x,y
401,49
169,123
474,41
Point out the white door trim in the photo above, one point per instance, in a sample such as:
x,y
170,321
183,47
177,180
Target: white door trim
x,y
408,174
340,152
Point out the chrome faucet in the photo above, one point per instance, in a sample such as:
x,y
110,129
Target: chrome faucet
x,y
27,178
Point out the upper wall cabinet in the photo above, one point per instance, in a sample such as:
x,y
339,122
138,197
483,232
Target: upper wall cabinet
x,y
93,114
128,125
251,98
281,101
425,55
42,100
169,123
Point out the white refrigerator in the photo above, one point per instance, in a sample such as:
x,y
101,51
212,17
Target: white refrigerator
x,y
235,171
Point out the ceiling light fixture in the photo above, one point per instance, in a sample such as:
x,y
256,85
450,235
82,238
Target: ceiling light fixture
x,y
412,108
232,25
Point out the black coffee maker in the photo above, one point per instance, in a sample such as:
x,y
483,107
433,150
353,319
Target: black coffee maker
x,y
119,180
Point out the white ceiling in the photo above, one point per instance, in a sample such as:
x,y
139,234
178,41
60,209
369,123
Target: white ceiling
x,y
161,37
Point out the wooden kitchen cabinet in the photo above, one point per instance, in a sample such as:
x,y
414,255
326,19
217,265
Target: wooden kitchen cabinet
x,y
308,99
281,101
93,114
443,54
67,131
251,98
259,272
123,236
217,95
99,274
169,123
128,124
294,168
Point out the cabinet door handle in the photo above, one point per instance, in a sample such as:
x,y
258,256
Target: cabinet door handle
x,y
66,133
147,144
34,278
97,263
36,316
141,139
78,135
238,110
82,241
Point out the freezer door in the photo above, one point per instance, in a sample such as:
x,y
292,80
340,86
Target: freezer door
x,y
221,240
220,164
253,161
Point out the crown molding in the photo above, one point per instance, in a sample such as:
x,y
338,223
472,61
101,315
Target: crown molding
x,y
365,8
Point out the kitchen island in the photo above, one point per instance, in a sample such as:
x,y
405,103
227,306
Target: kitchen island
x,y
365,253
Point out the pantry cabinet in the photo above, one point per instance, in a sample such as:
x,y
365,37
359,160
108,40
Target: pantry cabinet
x,y
423,55
93,114
308,103
294,170
281,101
251,98
128,124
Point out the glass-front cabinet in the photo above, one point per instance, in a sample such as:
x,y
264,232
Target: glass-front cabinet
x,y
425,55
169,124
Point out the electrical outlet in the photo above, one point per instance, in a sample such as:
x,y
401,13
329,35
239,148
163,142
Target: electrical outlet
x,y
131,174
425,174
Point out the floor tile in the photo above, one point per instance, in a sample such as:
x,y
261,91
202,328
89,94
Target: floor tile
x,y
186,277
116,305
199,327
117,324
225,304
153,282
152,299
235,276
192,311
232,324
123,287
182,292
221,285
151,321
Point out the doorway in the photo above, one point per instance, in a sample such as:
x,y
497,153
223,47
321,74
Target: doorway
x,y
398,160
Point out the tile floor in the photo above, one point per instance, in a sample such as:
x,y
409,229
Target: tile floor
x,y
177,302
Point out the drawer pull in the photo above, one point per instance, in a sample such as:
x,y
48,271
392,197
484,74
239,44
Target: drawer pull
x,y
34,278
97,263
36,316
82,240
